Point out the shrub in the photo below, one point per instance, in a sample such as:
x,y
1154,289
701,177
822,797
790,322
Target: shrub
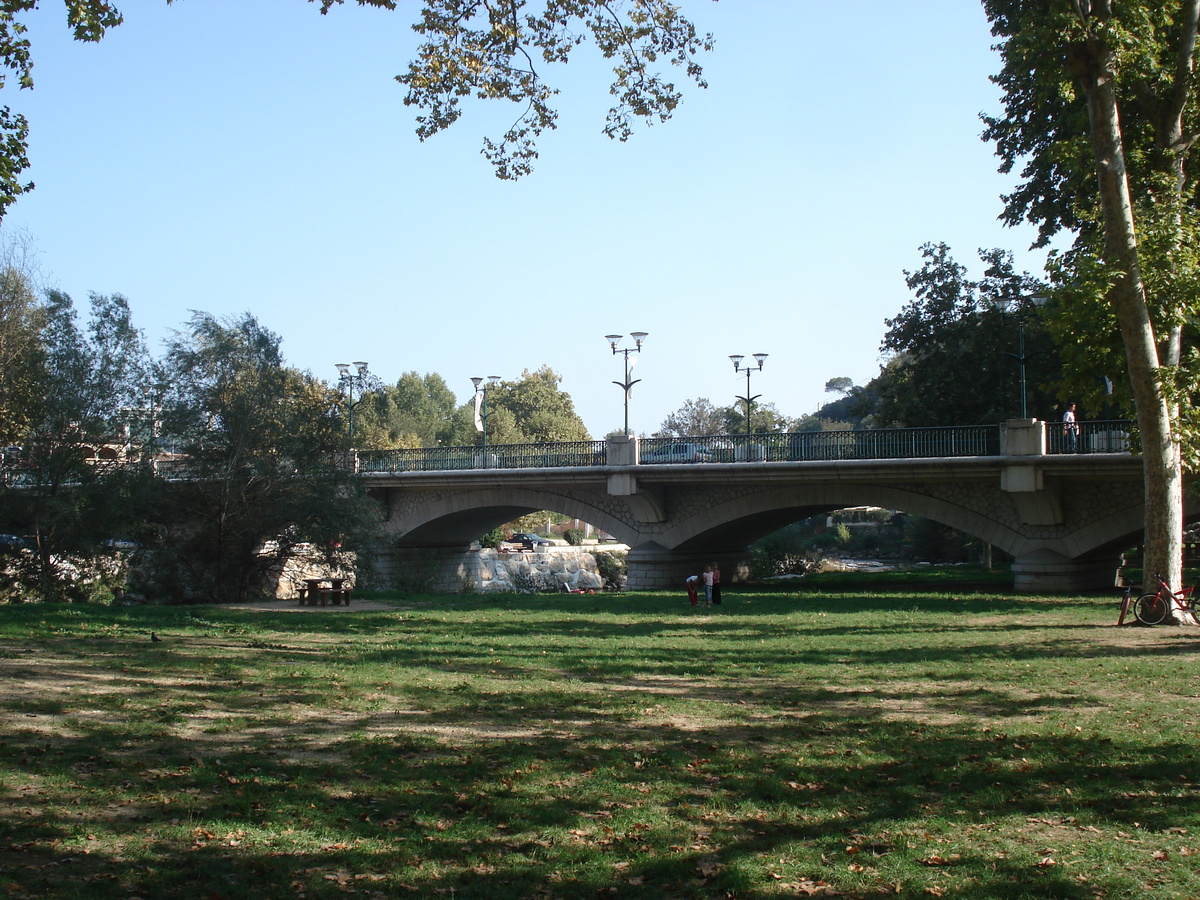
x,y
532,581
492,539
73,579
574,536
612,566
766,561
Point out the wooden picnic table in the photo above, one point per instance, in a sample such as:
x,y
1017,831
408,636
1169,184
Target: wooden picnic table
x,y
314,592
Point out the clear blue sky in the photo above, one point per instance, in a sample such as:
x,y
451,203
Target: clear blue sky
x,y
225,155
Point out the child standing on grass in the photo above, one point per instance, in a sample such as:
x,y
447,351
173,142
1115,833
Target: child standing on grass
x,y
692,583
708,585
716,585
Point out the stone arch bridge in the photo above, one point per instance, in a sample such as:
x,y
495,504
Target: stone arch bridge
x,y
1063,516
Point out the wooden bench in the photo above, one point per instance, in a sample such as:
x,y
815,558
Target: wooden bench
x,y
335,596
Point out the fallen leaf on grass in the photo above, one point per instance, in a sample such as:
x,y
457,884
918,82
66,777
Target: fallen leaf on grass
x,y
935,860
708,868
811,888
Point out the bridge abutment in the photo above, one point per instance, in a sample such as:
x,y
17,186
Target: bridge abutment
x,y
1045,571
439,569
651,567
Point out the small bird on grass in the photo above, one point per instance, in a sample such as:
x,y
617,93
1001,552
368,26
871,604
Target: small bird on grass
x,y
154,638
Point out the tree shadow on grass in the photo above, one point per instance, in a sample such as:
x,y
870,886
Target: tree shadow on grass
x,y
547,775
650,811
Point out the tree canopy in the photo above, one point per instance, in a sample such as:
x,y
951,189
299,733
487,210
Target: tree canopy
x,y
952,347
88,20
696,418
1101,110
248,425
416,411
501,50
532,409
84,385
22,318
482,49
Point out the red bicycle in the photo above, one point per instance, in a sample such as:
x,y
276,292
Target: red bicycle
x,y
1152,608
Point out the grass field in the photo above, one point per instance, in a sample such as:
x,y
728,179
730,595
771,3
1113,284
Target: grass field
x,y
853,738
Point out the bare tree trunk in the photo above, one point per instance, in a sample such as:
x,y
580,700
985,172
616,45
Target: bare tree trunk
x,y
1091,62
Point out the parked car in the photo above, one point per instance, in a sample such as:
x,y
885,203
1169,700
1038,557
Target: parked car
x,y
528,541
13,543
678,453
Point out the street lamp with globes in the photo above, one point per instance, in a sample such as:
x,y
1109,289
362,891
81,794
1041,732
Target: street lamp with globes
x,y
759,358
627,385
350,382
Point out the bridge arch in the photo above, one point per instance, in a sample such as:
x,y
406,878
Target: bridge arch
x,y
456,518
756,515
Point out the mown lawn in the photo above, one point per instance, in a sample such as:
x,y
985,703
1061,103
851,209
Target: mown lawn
x,y
851,739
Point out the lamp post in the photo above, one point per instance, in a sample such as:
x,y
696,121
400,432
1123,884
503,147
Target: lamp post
x,y
481,413
1002,304
627,385
349,382
760,358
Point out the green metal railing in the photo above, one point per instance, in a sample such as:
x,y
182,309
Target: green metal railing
x,y
1091,437
497,456
797,446
801,446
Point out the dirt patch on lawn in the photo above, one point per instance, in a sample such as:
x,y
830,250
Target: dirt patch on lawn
x,y
294,606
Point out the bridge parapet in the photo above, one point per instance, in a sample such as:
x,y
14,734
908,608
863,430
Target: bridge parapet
x,y
1016,437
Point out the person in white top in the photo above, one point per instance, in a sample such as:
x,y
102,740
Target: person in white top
x,y
1071,428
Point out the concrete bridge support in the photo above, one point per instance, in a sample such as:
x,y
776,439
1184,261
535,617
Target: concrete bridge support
x,y
652,567
1045,571
443,570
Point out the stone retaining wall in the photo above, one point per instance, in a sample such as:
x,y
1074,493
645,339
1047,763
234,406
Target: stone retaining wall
x,y
546,569
444,570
